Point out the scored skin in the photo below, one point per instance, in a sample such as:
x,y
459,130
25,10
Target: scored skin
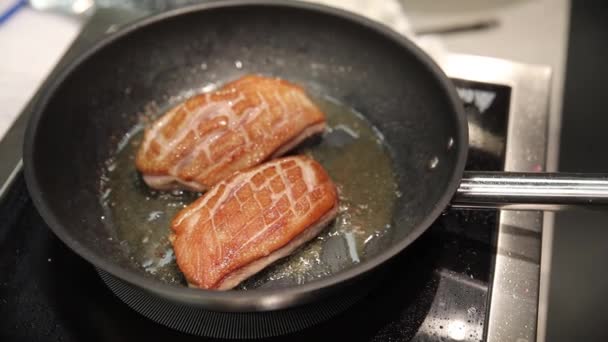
x,y
210,136
248,221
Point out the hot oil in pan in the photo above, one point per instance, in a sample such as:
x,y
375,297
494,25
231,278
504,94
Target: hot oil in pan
x,y
140,215
352,152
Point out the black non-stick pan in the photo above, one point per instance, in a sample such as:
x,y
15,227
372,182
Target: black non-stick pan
x,y
88,110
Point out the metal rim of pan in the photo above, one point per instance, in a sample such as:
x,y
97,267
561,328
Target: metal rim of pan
x,y
262,299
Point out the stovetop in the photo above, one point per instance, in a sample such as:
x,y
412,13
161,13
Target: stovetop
x,y
473,276
436,289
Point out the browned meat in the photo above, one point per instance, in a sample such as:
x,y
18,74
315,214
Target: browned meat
x,y
210,136
251,220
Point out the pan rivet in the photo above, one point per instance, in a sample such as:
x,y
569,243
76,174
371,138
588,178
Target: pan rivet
x,y
433,162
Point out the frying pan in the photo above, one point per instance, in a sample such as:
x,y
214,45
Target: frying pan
x,y
380,74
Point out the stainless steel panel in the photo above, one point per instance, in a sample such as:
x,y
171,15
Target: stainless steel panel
x,y
515,285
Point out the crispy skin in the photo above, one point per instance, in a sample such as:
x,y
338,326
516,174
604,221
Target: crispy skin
x,y
246,222
210,136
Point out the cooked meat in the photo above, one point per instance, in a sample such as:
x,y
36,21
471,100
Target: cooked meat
x,y
210,136
245,223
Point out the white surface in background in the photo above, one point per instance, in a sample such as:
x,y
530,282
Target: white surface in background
x,y
32,43
529,31
390,13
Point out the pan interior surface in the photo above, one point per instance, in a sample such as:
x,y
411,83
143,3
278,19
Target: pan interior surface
x,y
350,150
88,114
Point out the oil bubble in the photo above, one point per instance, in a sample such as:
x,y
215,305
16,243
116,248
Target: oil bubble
x,y
433,163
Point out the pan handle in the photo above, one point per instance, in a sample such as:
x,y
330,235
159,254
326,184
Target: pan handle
x,y
530,191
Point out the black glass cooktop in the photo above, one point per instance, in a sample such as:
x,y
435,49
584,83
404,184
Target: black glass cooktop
x,y
436,290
